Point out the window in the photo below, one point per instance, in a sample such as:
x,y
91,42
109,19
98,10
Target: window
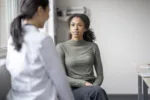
x,y
8,10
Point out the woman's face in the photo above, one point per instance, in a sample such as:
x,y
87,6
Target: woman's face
x,y
77,28
43,16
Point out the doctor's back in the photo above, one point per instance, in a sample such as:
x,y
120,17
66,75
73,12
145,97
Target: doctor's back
x,y
34,65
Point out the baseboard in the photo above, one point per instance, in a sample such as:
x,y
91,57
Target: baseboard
x,y
123,97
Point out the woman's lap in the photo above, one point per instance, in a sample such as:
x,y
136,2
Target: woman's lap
x,y
90,93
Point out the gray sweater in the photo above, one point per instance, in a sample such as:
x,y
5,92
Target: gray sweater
x,y
78,58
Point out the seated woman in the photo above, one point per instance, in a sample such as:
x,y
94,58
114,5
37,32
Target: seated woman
x,y
78,56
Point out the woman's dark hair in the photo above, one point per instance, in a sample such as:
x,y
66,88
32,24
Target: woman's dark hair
x,y
87,35
27,10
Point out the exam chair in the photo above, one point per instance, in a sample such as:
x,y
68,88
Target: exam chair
x,y
5,82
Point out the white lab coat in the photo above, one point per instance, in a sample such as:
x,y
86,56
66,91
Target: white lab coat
x,y
36,70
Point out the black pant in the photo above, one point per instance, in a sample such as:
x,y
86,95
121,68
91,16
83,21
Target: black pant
x,y
89,93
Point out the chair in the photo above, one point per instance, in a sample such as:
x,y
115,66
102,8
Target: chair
x,y
5,81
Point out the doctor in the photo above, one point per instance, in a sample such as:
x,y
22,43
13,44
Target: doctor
x,y
35,68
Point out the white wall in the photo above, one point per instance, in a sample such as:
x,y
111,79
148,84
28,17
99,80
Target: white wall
x,y
122,28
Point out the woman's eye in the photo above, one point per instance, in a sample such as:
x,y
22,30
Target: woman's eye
x,y
72,24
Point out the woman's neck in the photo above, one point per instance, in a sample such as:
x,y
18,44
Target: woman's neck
x,y
76,39
30,21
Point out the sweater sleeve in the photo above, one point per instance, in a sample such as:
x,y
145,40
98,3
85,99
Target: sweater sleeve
x,y
98,67
54,69
73,82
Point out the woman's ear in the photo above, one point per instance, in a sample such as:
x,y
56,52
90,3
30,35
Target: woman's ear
x,y
40,10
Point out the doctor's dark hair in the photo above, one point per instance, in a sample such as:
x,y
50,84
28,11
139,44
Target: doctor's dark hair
x,y
28,9
87,35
